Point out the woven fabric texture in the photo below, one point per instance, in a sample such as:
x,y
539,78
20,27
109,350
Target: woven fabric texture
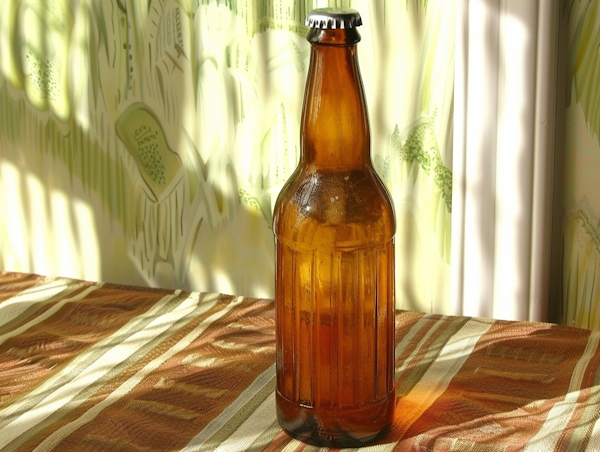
x,y
88,366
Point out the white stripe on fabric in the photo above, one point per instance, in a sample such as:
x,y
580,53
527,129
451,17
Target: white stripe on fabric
x,y
53,440
560,414
221,420
579,371
558,417
34,297
65,393
439,374
24,404
259,421
13,307
413,331
292,445
594,442
388,447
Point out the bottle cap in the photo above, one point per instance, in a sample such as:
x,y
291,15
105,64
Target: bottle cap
x,y
333,18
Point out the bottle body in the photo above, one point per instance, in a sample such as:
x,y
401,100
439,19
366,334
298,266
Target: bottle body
x,y
335,313
334,232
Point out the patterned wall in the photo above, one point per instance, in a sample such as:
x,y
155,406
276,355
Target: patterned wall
x,y
145,141
581,170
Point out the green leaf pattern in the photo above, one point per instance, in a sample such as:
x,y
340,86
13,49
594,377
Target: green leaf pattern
x,y
177,122
581,227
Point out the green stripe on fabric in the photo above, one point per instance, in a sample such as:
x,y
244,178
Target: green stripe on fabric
x,y
49,312
451,327
249,399
120,368
583,431
82,362
386,447
559,415
440,372
266,437
594,441
552,429
581,366
57,437
293,445
242,414
14,310
252,427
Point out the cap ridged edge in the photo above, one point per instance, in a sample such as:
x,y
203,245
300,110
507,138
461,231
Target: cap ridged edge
x,y
333,18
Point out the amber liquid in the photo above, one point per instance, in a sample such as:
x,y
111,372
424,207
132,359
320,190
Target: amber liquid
x,y
335,311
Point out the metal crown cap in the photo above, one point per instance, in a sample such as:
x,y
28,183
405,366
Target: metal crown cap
x,y
333,18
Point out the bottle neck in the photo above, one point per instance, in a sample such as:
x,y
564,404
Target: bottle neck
x,y
335,130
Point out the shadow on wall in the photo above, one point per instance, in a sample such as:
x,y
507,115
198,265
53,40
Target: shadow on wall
x,y
118,146
147,146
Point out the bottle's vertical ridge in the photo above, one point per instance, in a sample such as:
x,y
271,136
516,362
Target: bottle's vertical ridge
x,y
339,319
305,338
376,323
360,332
314,368
279,314
357,315
392,315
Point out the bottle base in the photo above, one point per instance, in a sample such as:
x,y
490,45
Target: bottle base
x,y
338,441
335,427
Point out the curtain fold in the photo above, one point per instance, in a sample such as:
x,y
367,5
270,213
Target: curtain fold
x,y
505,82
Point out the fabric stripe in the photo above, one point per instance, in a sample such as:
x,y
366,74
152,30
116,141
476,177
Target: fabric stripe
x,y
84,359
387,447
594,443
79,364
12,283
267,437
579,371
13,307
426,351
259,421
130,339
53,440
292,445
421,323
264,383
560,414
128,369
548,437
438,376
585,424
412,333
240,417
51,311
98,391
590,408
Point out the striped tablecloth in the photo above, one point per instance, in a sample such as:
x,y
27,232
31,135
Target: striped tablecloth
x,y
99,367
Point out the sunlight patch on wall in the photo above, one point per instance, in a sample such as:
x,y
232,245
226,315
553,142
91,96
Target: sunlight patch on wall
x,y
17,230
39,235
86,240
183,125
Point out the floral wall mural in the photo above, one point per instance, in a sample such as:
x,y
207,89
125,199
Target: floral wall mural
x,y
145,141
581,200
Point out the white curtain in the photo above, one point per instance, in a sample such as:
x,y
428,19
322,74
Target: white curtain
x,y
505,91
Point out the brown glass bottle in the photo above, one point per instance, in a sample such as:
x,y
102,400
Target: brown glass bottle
x,y
334,234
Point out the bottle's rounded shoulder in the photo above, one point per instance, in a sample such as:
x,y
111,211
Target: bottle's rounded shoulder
x,y
348,208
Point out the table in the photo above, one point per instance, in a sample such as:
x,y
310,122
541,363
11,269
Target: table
x,y
87,366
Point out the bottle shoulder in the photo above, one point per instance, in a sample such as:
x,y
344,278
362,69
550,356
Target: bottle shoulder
x,y
349,207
